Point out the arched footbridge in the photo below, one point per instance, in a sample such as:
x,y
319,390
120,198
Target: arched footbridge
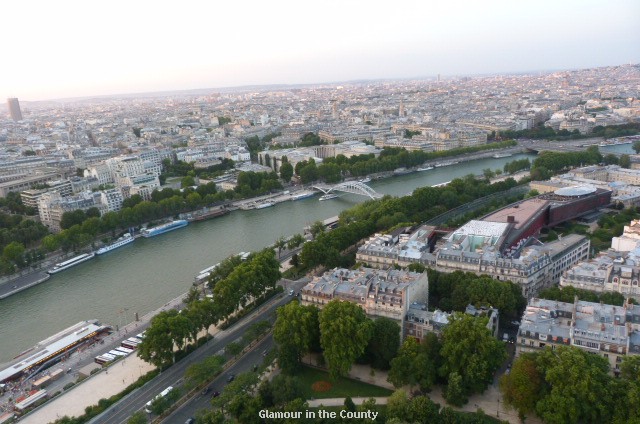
x,y
353,187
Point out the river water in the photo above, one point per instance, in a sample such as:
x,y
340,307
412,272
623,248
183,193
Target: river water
x,y
144,275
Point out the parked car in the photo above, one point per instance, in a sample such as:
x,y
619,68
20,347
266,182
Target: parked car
x,y
215,394
231,377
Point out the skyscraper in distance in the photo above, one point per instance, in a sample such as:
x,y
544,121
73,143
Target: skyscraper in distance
x,y
14,108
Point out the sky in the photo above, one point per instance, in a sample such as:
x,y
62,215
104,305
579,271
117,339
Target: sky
x,y
68,48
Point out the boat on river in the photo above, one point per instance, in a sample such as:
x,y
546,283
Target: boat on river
x,y
328,196
122,241
71,262
164,228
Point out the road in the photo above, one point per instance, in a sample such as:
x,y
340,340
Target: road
x,y
120,412
246,363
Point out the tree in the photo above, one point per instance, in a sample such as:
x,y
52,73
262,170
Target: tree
x,y
138,417
286,171
416,363
203,371
192,296
187,181
316,228
344,333
423,410
295,241
286,388
13,252
157,345
384,343
575,388
455,392
522,387
280,244
636,147
295,331
470,350
625,161
349,405
398,405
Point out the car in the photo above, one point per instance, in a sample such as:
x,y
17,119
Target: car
x,y
231,377
264,353
205,390
290,292
516,323
512,340
190,421
505,337
215,394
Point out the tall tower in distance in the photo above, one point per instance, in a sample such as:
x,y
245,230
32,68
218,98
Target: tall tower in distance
x,y
14,108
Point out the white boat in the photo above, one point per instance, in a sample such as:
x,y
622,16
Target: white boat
x,y
439,165
303,195
122,241
365,180
401,171
264,205
161,229
502,155
328,196
426,168
71,262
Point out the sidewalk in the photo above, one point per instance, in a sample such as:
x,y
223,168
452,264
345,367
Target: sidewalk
x,y
103,385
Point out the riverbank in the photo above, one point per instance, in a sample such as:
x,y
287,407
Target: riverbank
x,y
138,278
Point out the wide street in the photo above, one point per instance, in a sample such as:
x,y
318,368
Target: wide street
x,y
203,401
120,412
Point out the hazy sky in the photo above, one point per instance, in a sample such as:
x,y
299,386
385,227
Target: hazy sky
x,y
53,49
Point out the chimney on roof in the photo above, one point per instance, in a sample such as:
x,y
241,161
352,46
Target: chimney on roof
x,y
511,219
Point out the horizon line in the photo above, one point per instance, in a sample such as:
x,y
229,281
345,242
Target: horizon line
x,y
232,88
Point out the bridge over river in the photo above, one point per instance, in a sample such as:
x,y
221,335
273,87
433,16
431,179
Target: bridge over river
x,y
353,187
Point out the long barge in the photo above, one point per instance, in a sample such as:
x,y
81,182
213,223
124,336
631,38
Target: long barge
x,y
71,262
164,228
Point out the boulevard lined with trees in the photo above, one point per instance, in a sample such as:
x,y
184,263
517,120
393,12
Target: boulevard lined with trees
x,y
244,283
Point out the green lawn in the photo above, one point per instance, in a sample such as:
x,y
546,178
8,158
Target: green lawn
x,y
340,388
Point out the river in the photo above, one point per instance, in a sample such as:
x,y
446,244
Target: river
x,y
144,275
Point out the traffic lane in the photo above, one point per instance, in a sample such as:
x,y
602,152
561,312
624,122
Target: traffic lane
x,y
121,412
203,401
21,283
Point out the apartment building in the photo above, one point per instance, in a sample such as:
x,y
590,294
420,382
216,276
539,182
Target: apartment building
x,y
380,293
51,207
605,330
614,271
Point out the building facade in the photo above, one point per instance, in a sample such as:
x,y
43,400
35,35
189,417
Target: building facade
x,y
380,293
14,109
605,330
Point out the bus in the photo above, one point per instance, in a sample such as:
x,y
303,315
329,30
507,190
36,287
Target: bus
x,y
124,350
128,345
162,394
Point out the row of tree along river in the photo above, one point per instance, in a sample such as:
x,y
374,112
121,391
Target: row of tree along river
x,y
144,275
